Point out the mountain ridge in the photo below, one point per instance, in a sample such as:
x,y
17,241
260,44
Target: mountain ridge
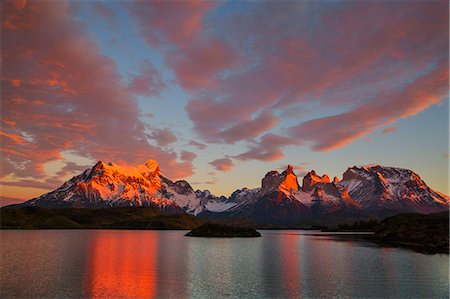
x,y
366,189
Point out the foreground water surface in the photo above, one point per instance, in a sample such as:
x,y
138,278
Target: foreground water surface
x,y
165,264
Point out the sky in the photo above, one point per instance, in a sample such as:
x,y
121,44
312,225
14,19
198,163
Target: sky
x,y
221,92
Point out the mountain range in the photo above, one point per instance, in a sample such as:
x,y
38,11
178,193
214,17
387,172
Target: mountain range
x,y
367,191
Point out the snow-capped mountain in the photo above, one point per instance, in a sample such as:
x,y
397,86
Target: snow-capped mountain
x,y
112,185
365,190
377,187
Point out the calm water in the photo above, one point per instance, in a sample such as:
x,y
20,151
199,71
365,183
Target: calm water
x,y
165,264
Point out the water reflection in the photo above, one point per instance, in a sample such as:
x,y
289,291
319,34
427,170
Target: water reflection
x,y
121,265
165,264
290,266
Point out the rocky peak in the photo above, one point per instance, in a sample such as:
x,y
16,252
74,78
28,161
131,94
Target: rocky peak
x,y
99,165
152,165
289,170
311,179
318,193
335,180
325,179
271,180
183,187
290,182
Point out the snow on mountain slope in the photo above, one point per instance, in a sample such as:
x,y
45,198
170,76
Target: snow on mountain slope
x,y
369,188
377,187
113,185
365,189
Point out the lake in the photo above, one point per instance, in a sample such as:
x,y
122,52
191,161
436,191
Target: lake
x,y
165,264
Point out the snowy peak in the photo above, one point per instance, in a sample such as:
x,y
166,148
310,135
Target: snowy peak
x,y
375,187
109,175
114,185
369,188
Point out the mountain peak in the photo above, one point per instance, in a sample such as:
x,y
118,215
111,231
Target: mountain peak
x,y
289,169
311,179
152,165
290,181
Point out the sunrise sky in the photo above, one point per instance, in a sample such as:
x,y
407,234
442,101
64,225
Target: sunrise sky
x,y
221,92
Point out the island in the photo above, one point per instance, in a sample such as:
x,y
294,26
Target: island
x,y
223,231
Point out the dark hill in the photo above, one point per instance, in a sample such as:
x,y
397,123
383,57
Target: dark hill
x,y
114,218
427,233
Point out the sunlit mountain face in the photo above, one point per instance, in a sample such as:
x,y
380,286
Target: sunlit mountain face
x,y
220,93
371,191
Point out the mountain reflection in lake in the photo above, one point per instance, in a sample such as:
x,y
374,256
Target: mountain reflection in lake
x,y
165,264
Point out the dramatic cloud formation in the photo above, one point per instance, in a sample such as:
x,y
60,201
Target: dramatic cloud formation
x,y
426,90
223,164
294,54
243,79
59,93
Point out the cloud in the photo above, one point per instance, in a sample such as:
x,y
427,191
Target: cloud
x,y
223,164
389,130
187,156
148,83
198,66
198,145
268,148
71,168
5,201
60,93
299,170
163,136
107,13
250,128
336,131
174,22
343,56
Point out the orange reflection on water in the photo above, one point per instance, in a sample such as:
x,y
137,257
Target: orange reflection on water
x,y
290,269
122,264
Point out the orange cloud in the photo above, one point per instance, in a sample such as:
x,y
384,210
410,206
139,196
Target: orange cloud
x,y
336,131
268,148
389,130
70,96
223,164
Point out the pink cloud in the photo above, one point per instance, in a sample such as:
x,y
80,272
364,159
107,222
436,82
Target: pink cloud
x,y
223,164
198,66
107,13
375,50
148,83
187,156
60,93
249,128
336,131
389,130
198,145
163,136
268,148
175,22
5,201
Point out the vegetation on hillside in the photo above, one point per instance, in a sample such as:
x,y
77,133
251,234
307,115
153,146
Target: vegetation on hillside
x,y
427,233
115,218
